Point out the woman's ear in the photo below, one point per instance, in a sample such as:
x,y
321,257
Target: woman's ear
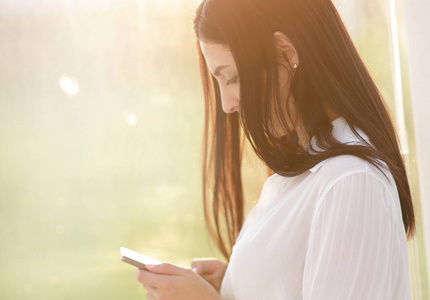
x,y
285,47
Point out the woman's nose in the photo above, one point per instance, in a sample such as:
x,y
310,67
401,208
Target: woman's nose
x,y
229,104
231,110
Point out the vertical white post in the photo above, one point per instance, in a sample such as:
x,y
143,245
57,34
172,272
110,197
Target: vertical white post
x,y
397,77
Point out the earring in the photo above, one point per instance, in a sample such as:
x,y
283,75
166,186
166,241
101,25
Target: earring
x,y
295,66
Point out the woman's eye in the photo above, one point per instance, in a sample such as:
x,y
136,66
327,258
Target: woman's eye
x,y
234,80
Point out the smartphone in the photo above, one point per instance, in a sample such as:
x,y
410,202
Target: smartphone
x,y
137,259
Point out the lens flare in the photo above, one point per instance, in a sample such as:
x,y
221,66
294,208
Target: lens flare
x,y
69,85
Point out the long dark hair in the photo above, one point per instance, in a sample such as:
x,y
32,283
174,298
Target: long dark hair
x,y
331,74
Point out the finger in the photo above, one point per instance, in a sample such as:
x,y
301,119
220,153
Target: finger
x,y
150,280
168,269
206,266
150,296
151,289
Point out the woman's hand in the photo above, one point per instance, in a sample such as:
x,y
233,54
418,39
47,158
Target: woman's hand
x,y
167,281
211,269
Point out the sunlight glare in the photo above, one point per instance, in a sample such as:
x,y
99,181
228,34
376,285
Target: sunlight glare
x,y
131,120
69,85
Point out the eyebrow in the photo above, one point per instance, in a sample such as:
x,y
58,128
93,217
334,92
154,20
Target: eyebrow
x,y
219,68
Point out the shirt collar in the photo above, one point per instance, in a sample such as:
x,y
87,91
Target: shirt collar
x,y
344,134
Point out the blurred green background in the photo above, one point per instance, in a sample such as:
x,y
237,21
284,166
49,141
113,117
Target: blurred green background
x,y
101,119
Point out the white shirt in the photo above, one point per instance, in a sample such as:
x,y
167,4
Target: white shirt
x,y
333,232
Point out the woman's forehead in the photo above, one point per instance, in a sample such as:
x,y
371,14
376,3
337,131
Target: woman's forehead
x,y
216,55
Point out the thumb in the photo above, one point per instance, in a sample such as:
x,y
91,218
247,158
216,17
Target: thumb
x,y
206,266
167,269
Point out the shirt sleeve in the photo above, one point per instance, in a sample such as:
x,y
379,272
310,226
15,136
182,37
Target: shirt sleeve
x,y
354,244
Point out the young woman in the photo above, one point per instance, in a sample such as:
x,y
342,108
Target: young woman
x,y
333,219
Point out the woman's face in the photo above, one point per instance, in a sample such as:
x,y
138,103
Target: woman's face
x,y
221,64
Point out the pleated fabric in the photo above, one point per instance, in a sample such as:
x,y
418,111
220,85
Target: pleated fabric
x,y
334,232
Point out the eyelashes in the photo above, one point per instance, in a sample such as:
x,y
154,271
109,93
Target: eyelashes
x,y
234,80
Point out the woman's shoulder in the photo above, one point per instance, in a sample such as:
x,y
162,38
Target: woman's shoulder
x,y
344,162
336,168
